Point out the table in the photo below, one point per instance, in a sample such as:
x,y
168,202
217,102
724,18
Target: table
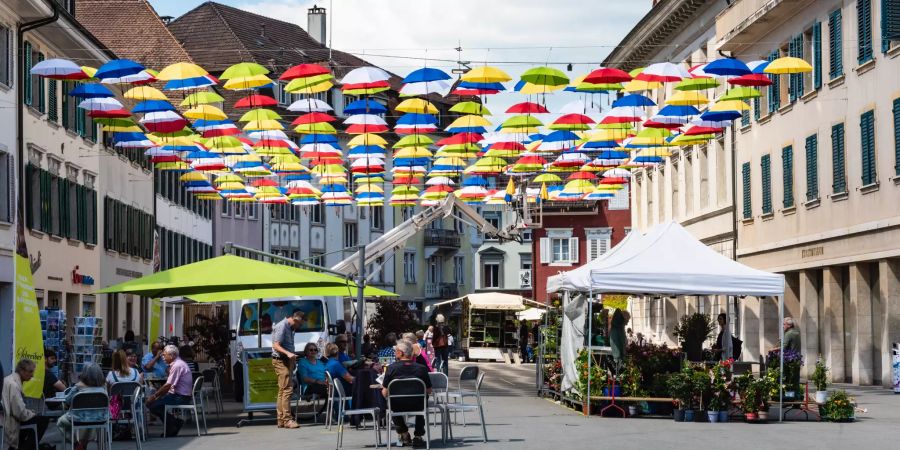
x,y
55,407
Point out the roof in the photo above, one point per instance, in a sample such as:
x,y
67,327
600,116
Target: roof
x,y
131,29
491,300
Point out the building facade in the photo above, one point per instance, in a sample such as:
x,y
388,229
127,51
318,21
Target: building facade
x,y
503,266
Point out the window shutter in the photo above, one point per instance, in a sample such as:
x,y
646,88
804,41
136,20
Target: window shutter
x,y
867,133
787,159
573,250
65,105
775,87
817,55
63,206
765,166
26,72
837,159
545,250
593,249
603,245
756,111
41,84
52,102
745,176
795,49
835,45
812,167
864,30
745,118
896,112
890,22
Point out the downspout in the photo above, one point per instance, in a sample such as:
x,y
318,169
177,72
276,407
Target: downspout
x,y
20,95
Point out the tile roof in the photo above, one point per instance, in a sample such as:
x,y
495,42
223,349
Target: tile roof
x,y
131,29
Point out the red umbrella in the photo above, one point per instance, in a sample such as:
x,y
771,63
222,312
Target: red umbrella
x,y
655,124
112,113
216,132
271,143
260,182
614,180
751,79
255,101
403,179
693,131
313,117
474,92
607,75
570,119
508,146
303,71
531,159
360,128
376,84
460,138
526,108
582,176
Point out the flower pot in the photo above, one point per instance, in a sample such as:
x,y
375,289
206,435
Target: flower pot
x,y
700,416
633,410
723,416
713,416
689,415
678,414
821,397
751,416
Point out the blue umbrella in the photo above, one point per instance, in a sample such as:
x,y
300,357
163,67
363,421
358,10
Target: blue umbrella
x,y
410,162
595,145
364,107
366,150
152,106
488,86
416,119
189,83
758,66
678,111
560,136
727,67
118,68
635,100
426,74
475,181
720,115
91,90
298,177
466,130
319,139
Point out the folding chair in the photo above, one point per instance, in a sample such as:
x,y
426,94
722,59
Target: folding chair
x,y
90,411
342,412
463,407
405,390
127,391
195,408
213,389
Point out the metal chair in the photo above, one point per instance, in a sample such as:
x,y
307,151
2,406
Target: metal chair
x,y
463,407
342,412
467,378
90,411
195,408
313,399
440,389
407,390
213,388
129,393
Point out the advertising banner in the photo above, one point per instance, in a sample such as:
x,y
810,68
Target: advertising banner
x,y
28,341
260,380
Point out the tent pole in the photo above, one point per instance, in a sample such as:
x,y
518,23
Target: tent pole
x,y
781,358
360,298
258,323
727,347
589,349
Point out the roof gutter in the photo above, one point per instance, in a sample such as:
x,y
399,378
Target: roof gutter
x,y
20,95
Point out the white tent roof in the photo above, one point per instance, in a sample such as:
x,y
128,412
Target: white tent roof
x,y
669,260
491,300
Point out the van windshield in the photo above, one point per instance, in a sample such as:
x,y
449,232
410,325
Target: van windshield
x,y
274,311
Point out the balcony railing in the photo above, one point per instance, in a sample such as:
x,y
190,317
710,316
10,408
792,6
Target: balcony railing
x,y
442,238
441,290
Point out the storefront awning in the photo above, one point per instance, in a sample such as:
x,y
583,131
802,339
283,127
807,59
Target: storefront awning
x,y
491,300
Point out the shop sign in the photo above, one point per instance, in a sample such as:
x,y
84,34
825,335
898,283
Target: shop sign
x,y
78,278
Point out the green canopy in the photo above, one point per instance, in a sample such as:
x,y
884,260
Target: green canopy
x,y
231,277
545,76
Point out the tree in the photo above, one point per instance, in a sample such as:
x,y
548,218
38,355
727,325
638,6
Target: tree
x,y
211,334
391,316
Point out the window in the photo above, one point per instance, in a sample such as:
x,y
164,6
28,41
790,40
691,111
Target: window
x,y
812,52
26,75
838,170
251,211
745,177
765,166
863,31
597,247
787,167
238,210
317,258
890,24
524,270
316,213
494,218
52,102
407,213
284,97
812,167
409,267
459,269
774,90
377,220
835,43
896,111
490,275
6,53
226,208
619,200
867,135
6,179
350,235
526,235
795,86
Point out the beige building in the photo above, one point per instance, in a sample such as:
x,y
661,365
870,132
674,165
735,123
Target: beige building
x,y
817,181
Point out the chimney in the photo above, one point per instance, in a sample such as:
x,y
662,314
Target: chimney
x,y
315,20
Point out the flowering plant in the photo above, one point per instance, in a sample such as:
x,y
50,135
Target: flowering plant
x,y
597,376
721,397
839,407
793,361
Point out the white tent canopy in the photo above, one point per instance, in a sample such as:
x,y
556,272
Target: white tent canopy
x,y
531,314
667,260
491,300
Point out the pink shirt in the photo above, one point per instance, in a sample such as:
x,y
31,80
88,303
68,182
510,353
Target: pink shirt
x,y
180,378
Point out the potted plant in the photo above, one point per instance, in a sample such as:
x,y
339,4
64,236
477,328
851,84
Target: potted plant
x,y
820,379
793,361
720,398
702,391
748,389
597,379
681,388
839,407
767,388
631,384
692,330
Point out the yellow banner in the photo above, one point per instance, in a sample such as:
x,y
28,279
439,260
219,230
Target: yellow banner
x,y
263,382
28,340
153,331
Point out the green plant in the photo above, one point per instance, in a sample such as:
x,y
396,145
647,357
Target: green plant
x,y
681,387
692,330
820,375
720,397
748,389
390,316
597,376
631,380
211,335
839,407
702,386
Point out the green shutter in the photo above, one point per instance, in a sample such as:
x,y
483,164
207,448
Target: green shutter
x,y
765,165
41,100
812,167
63,206
835,45
52,102
756,111
745,173
867,134
26,72
66,123
92,218
817,55
896,111
795,49
745,118
29,210
787,166
775,87
46,202
864,30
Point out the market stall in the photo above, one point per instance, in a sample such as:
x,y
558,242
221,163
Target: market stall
x,y
489,324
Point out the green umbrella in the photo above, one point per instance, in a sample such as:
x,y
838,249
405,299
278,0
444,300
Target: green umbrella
x,y
231,277
521,122
740,93
545,76
244,69
696,84
259,114
470,108
414,140
202,98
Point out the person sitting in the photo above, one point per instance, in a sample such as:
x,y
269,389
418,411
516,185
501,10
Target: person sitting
x,y
132,360
52,384
154,363
178,390
404,367
341,341
121,371
421,358
312,372
367,348
387,349
335,368
90,380
16,413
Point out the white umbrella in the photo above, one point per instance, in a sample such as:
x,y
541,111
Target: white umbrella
x,y
100,104
365,75
364,119
135,78
267,134
160,116
440,181
55,67
309,105
440,87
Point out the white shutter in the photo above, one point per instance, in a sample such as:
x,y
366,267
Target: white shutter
x,y
593,249
573,250
602,246
545,251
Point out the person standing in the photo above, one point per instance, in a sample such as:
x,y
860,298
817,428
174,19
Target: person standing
x,y
16,413
178,390
404,368
523,340
441,343
791,335
284,360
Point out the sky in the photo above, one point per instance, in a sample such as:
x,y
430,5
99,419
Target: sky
x,y
514,35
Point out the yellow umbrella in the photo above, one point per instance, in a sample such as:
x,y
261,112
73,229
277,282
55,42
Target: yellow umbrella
x,y
122,129
530,88
263,125
687,98
315,128
205,112
307,82
228,177
369,188
193,176
416,105
367,139
202,97
640,85
730,105
181,71
89,71
248,82
788,64
470,122
142,93
486,74
412,152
